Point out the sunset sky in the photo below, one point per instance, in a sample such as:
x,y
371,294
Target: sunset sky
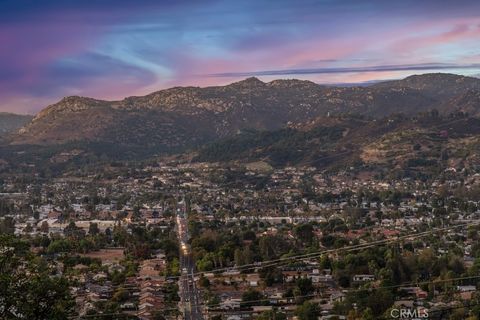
x,y
111,49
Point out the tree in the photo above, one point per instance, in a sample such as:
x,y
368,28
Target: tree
x,y
44,227
204,282
308,311
158,315
73,231
28,228
247,255
59,245
93,229
458,314
7,225
120,235
270,246
325,262
238,257
272,315
379,301
251,295
27,289
368,314
328,240
305,232
120,295
304,287
353,315
206,263
271,275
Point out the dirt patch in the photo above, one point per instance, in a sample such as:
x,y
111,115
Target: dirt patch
x,y
107,255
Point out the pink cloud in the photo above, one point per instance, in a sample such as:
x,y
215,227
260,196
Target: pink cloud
x,y
456,34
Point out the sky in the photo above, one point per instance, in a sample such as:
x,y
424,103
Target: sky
x,y
111,49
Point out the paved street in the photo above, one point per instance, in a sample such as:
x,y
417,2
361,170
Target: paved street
x,y
189,293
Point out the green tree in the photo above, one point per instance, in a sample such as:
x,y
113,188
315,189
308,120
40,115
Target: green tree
x,y
204,282
305,286
71,230
93,229
238,257
308,311
305,232
368,314
249,296
60,245
379,301
272,315
158,315
27,289
7,225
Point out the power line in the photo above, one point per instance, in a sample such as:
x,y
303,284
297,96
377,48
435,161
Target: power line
x,y
315,254
347,248
350,248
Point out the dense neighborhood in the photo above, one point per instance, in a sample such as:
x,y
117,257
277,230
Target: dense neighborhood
x,y
264,243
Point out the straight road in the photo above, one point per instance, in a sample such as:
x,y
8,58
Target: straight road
x,y
190,297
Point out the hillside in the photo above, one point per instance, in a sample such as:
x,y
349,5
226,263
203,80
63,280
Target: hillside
x,y
417,145
10,122
183,117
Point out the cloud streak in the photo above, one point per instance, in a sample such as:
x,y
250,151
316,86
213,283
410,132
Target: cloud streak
x,y
380,68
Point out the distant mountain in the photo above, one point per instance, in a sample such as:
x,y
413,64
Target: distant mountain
x,y
10,122
186,117
435,85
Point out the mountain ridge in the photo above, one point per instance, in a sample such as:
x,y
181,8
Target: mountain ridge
x,y
182,117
